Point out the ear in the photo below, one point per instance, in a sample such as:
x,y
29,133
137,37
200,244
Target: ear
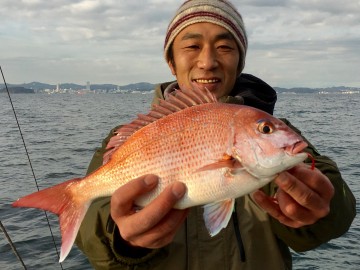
x,y
172,68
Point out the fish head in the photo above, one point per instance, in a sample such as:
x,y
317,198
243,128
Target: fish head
x,y
265,145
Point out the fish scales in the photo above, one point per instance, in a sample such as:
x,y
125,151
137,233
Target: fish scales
x,y
174,148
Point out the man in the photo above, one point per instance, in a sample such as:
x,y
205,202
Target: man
x,y
302,208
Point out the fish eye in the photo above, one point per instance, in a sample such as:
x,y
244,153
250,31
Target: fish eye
x,y
265,127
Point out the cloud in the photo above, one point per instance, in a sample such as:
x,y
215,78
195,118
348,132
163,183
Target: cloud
x,y
112,41
314,43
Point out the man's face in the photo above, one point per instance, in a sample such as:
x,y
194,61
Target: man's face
x,y
206,56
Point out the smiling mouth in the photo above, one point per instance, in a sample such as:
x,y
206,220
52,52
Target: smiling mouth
x,y
206,81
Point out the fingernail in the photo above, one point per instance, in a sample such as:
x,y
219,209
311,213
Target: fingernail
x,y
150,180
178,189
282,177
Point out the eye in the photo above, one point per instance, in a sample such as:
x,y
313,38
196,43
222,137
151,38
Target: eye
x,y
224,48
192,47
265,127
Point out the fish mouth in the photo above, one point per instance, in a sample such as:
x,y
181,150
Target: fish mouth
x,y
291,156
296,148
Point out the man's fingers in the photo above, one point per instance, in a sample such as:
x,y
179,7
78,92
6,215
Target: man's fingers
x,y
164,232
271,206
302,198
154,212
315,180
122,201
306,192
297,190
157,219
293,209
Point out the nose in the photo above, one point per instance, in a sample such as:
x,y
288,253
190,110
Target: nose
x,y
207,58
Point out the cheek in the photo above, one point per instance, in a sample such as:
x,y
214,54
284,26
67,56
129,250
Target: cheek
x,y
235,66
235,71
182,70
232,72
183,64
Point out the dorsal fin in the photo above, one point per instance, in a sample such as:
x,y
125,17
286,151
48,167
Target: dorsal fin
x,y
176,101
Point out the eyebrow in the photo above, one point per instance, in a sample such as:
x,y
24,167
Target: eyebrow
x,y
191,36
221,36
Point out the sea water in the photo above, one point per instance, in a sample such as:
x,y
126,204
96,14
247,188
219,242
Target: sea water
x,y
62,131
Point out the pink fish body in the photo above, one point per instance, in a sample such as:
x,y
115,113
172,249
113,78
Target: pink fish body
x,y
220,151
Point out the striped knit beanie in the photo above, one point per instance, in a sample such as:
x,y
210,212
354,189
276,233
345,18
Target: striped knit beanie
x,y
220,12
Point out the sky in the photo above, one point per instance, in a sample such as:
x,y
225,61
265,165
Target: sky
x,y
292,43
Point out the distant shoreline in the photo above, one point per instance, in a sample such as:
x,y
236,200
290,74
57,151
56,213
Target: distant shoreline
x,y
38,87
74,92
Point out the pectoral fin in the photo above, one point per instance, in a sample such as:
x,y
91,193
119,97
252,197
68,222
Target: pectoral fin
x,y
226,162
217,215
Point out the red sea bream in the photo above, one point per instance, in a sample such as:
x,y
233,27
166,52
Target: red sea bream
x,y
220,151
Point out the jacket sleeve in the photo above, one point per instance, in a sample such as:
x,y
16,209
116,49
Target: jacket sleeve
x,y
99,238
335,224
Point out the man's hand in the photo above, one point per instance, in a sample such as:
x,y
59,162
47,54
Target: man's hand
x,y
155,225
303,197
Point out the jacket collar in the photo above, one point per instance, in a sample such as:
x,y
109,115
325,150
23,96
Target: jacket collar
x,y
248,90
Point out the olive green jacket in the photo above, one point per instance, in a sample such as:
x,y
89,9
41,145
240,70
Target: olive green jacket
x,y
252,240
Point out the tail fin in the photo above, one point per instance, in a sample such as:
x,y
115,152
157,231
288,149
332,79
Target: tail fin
x,y
60,200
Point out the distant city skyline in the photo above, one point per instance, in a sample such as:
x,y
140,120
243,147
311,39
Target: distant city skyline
x,y
291,43
145,86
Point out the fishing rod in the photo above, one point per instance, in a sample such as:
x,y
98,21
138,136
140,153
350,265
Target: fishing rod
x,y
2,228
30,164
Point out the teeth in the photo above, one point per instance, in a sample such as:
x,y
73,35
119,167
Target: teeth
x,y
206,81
